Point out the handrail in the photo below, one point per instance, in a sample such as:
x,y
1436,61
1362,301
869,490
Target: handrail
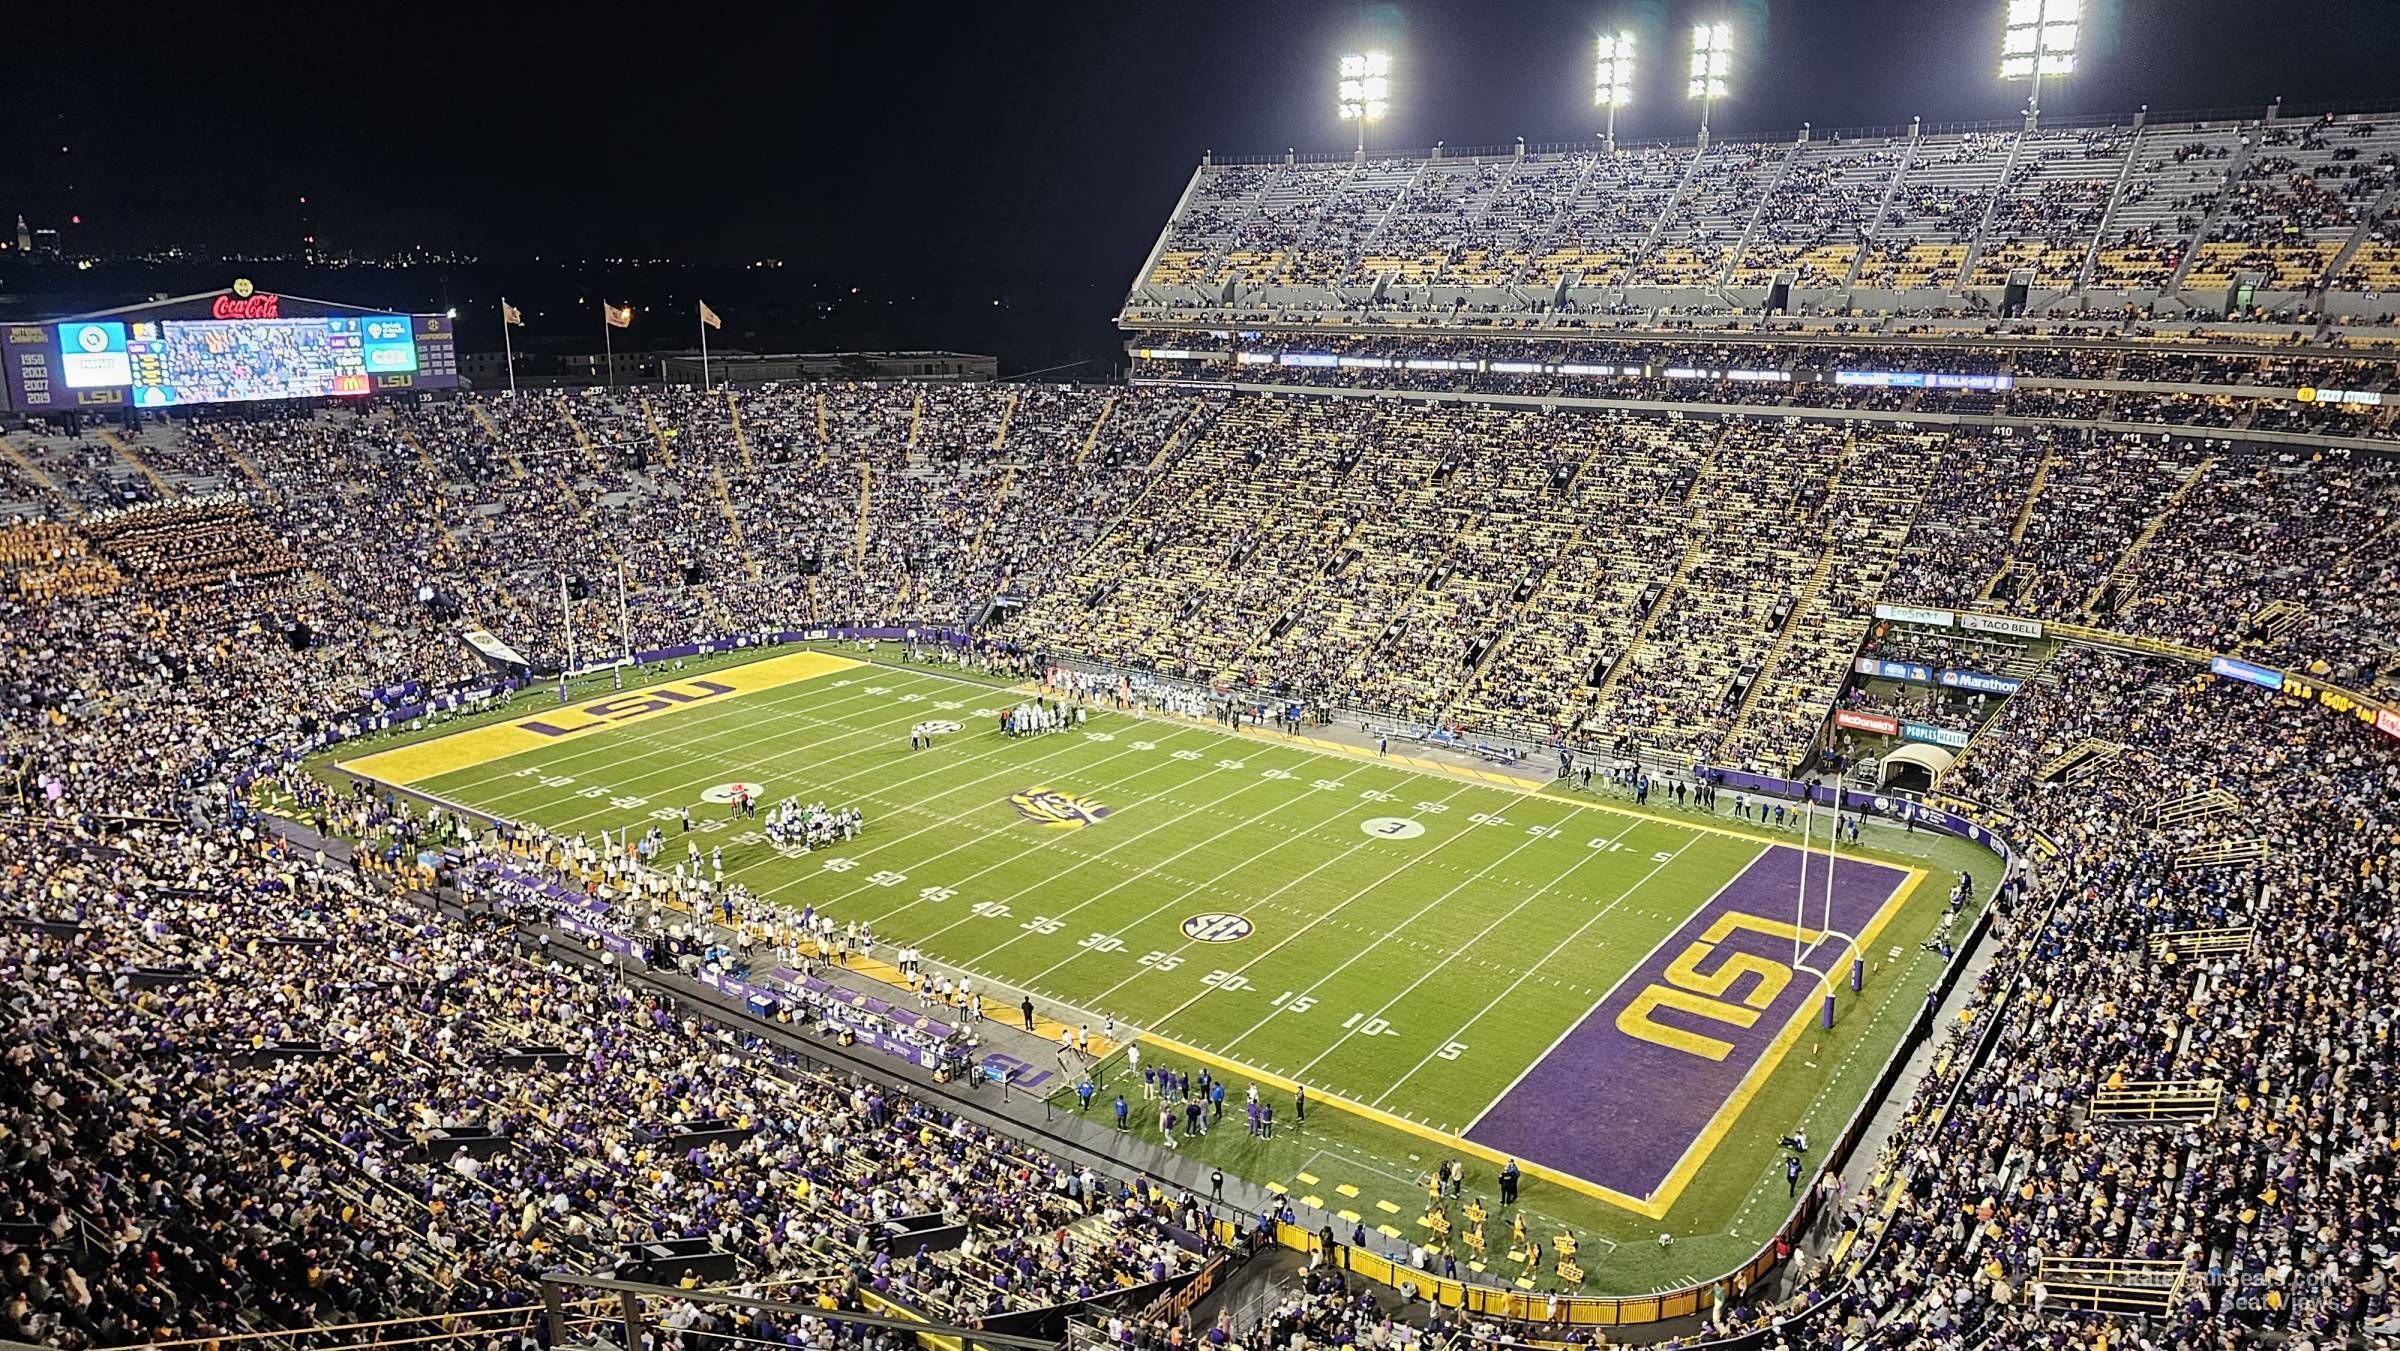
x,y
631,1292
527,1311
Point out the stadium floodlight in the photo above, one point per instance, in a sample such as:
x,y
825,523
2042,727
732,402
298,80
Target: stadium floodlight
x,y
1363,93
1712,63
2040,40
1612,78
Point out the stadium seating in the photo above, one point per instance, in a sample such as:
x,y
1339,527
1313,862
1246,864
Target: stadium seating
x,y
2050,207
347,1187
2174,1071
2001,1180
2135,213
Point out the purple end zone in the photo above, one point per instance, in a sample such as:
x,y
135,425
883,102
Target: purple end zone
x,y
1619,1108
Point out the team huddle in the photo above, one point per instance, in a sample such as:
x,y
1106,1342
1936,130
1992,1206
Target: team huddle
x,y
791,825
1042,715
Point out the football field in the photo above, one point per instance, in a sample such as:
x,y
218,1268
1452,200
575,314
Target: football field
x,y
1621,999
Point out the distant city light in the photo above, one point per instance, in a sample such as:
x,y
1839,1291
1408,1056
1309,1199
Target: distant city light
x,y
1612,74
1712,60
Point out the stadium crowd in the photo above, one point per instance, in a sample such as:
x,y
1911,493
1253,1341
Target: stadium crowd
x,y
2271,1206
247,1084
2121,214
349,1106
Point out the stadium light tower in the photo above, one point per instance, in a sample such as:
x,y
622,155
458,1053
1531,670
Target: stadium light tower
x,y
1612,78
2040,41
1712,61
1364,92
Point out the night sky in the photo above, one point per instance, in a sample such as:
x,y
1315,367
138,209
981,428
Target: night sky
x,y
1031,152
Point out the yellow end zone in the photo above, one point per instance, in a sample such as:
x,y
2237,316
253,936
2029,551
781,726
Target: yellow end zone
x,y
482,745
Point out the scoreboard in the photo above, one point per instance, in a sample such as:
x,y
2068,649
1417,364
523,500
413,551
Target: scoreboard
x,y
234,346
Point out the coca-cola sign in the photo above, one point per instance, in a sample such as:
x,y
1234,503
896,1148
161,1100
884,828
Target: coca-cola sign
x,y
248,307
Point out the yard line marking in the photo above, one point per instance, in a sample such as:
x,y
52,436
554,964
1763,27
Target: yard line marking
x,y
1271,809
1010,769
770,857
777,760
686,752
488,795
1404,865
1389,933
1364,842
1561,946
1586,857
775,763
1056,837
1572,1024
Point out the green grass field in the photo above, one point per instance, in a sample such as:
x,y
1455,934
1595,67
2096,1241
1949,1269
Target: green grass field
x,y
1235,902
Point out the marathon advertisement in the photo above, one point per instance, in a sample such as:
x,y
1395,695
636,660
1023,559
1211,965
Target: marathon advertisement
x,y
1980,683
1923,380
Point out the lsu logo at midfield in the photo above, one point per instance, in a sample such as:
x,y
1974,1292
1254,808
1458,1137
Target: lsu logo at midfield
x,y
1055,810
1216,928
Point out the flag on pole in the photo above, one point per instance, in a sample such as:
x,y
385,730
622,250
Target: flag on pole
x,y
511,316
709,316
616,316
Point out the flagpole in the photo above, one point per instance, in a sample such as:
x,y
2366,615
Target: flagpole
x,y
608,343
566,617
508,344
704,347
624,616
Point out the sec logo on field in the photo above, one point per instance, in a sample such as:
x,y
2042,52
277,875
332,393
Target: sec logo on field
x,y
1216,928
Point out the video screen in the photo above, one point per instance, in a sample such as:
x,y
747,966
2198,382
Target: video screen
x,y
93,356
186,361
227,352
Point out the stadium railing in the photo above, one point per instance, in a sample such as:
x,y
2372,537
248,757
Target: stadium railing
x,y
471,1327
2149,1102
2298,684
2114,1284
639,1308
